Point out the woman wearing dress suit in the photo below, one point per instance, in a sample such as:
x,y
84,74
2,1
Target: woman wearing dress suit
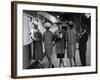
x,y
71,42
37,43
60,42
83,45
48,42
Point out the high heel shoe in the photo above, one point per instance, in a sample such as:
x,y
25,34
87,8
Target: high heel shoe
x,y
53,66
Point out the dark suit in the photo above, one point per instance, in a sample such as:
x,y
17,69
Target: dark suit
x,y
82,48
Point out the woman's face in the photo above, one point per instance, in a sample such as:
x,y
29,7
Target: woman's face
x,y
47,28
47,25
59,27
35,27
68,27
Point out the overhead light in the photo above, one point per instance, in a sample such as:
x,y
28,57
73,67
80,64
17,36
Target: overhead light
x,y
87,15
58,16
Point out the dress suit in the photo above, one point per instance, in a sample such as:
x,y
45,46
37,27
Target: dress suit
x,y
71,43
37,42
60,43
48,42
82,47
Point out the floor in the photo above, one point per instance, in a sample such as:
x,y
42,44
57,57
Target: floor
x,y
55,60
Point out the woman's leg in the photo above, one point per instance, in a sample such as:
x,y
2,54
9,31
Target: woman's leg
x,y
62,62
48,60
70,61
74,61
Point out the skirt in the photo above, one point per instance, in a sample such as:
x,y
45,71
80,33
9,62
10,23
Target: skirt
x,y
60,55
71,51
38,50
48,49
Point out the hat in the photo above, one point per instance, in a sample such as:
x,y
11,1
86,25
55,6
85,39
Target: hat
x,y
35,26
47,24
70,23
66,21
35,22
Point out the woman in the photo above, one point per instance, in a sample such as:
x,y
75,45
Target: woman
x,y
59,37
48,42
37,44
71,42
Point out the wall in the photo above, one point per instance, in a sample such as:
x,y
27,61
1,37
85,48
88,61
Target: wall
x,y
5,41
26,30
26,41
